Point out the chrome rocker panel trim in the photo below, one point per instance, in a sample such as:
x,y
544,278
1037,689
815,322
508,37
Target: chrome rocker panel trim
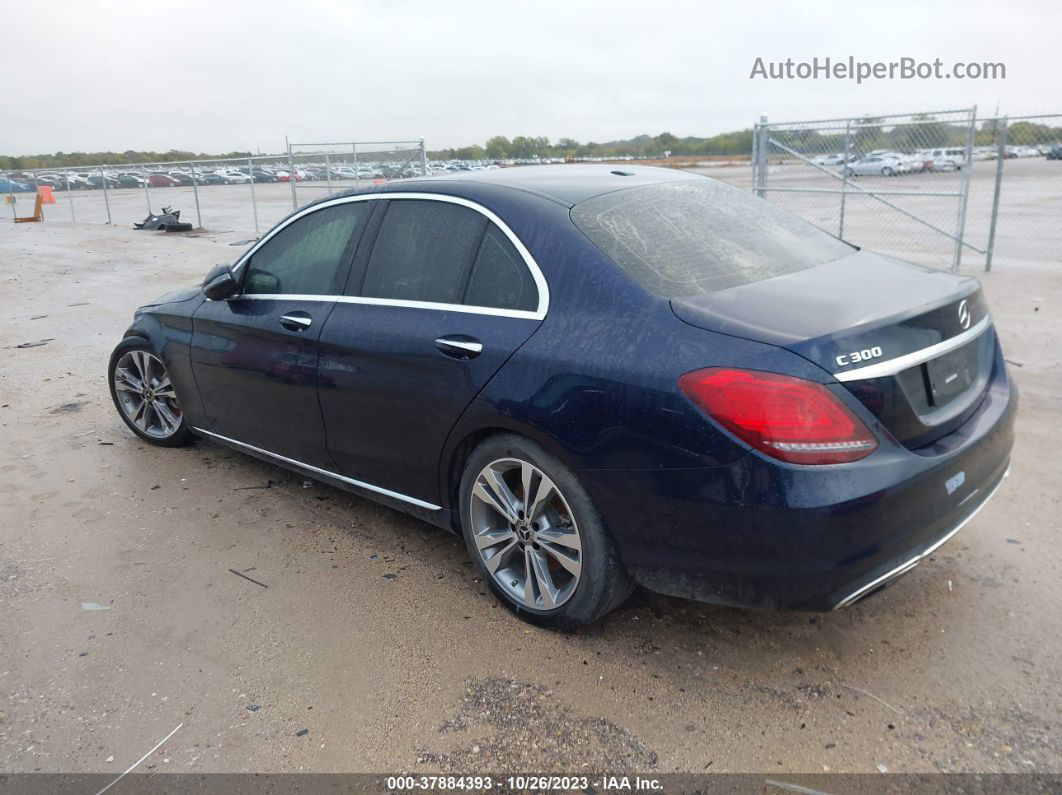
x,y
342,478
906,566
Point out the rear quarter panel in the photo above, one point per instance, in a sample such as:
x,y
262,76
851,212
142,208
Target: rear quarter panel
x,y
596,385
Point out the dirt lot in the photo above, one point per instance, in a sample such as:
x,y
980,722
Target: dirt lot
x,y
120,619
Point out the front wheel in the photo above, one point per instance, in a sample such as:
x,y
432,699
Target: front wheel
x,y
887,172
144,396
536,538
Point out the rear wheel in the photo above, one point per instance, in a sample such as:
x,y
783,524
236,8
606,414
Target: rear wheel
x,y
536,538
144,395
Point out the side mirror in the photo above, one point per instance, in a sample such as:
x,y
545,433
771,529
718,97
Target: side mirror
x,y
220,283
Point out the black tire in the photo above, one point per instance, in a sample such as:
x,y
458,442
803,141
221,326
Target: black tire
x,y
178,438
887,172
603,582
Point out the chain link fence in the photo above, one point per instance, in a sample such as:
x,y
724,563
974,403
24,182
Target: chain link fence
x,y
897,184
945,189
246,195
1016,216
324,168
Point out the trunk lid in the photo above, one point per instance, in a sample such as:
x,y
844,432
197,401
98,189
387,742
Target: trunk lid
x,y
914,345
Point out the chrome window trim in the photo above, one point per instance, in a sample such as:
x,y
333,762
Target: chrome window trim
x,y
893,366
358,483
354,299
529,261
909,564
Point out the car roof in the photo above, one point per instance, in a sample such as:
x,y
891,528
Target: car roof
x,y
564,183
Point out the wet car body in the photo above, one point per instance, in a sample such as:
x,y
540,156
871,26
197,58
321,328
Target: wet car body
x,y
367,403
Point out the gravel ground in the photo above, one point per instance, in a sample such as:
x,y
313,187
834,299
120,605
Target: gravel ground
x,y
374,647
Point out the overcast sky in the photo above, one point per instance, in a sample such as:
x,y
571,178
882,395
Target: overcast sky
x,y
233,75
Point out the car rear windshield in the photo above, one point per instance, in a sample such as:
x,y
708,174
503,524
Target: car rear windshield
x,y
700,235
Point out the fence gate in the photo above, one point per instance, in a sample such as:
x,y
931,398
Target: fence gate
x,y
896,184
320,169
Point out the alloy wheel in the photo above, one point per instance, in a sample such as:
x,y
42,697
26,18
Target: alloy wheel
x,y
525,534
145,394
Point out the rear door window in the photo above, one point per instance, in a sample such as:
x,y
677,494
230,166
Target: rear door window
x,y
699,236
423,251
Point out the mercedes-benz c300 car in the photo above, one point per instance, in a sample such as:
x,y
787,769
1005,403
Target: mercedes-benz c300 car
x,y
600,378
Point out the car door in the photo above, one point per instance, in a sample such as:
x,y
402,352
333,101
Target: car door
x,y
444,295
254,355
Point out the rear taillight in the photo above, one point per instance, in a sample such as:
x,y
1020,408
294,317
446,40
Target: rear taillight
x,y
787,418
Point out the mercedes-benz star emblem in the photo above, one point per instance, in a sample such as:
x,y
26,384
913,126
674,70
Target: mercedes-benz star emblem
x,y
964,315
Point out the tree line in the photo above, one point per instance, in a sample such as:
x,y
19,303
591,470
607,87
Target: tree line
x,y
58,159
867,134
528,147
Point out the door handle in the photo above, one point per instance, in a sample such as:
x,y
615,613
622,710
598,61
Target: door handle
x,y
296,321
460,346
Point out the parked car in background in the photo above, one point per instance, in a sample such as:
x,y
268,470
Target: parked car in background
x,y
1055,152
284,176
1026,151
12,186
233,176
33,180
129,179
877,164
159,180
828,160
752,412
68,180
948,158
263,175
361,172
97,181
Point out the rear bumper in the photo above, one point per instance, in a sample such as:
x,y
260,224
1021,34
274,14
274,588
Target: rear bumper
x,y
876,580
758,533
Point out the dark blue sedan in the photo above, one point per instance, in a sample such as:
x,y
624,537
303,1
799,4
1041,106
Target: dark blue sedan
x,y
599,378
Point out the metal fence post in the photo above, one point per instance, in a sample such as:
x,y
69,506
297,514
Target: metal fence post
x,y
328,172
761,171
754,155
195,192
106,199
70,197
844,173
147,196
11,196
964,194
291,174
357,174
423,159
1001,156
254,201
